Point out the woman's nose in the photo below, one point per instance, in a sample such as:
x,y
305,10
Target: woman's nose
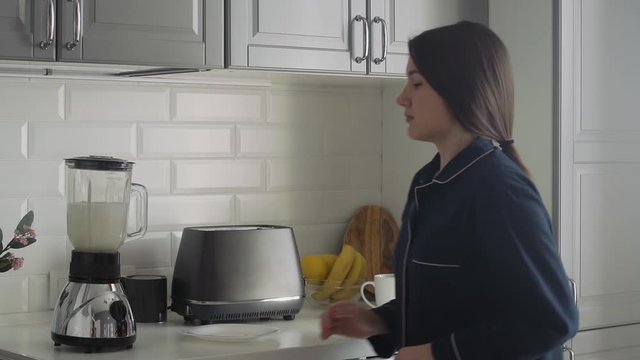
x,y
402,98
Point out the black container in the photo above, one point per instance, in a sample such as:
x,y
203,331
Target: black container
x,y
147,296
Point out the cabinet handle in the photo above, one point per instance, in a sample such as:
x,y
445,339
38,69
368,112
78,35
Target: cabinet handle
x,y
77,25
574,290
572,355
385,41
51,25
365,42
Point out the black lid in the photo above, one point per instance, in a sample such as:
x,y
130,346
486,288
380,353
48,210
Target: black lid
x,y
94,162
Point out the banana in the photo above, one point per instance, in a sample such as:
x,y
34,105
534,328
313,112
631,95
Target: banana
x,y
337,274
357,272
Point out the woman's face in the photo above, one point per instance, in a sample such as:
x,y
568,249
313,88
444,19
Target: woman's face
x,y
426,112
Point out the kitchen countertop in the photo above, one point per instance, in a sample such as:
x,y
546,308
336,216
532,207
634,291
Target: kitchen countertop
x,y
29,336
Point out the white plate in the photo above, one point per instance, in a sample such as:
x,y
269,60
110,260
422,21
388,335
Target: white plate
x,y
230,332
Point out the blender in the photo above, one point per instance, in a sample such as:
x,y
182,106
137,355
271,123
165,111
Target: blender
x,y
93,311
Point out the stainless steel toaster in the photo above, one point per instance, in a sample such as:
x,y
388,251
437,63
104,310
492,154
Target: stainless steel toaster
x,y
225,273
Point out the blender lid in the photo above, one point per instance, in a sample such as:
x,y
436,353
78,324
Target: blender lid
x,y
94,162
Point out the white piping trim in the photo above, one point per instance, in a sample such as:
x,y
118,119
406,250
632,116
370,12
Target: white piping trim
x,y
415,189
436,264
465,168
455,347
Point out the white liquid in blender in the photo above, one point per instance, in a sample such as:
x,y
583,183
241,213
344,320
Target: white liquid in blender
x,y
96,227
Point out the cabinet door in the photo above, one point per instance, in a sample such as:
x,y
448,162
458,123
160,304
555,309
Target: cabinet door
x,y
617,343
297,34
146,32
407,18
23,25
599,142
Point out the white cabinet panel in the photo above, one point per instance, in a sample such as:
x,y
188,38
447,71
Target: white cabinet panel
x,y
606,220
618,343
296,34
600,161
610,58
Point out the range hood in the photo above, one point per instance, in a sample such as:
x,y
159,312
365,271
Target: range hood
x,y
59,69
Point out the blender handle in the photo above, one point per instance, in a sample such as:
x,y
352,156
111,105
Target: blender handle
x,y
141,211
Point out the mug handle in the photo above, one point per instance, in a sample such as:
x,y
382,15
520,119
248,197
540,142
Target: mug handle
x,y
362,292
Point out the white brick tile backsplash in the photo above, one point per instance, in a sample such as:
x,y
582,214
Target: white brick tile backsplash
x,y
339,206
219,104
187,140
176,236
49,252
280,208
312,173
50,215
29,178
177,212
11,211
13,140
38,292
31,100
61,140
366,172
212,175
334,173
152,250
279,140
15,292
112,102
362,138
245,152
155,175
319,239
309,106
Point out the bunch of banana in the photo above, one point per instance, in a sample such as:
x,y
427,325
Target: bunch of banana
x,y
348,269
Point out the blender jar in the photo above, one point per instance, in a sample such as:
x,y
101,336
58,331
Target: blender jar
x,y
98,191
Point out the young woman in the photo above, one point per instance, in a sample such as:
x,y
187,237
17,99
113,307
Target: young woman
x,y
478,275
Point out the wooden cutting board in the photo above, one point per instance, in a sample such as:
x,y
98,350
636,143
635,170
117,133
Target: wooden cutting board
x,y
373,232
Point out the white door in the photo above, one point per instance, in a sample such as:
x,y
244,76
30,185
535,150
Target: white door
x,y
599,138
316,35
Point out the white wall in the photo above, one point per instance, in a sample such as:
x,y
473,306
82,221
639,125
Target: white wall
x,y
526,28
247,151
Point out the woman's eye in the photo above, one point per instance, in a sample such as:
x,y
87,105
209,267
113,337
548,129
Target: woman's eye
x,y
416,84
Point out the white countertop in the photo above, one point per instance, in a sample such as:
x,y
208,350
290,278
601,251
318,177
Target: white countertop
x,y
29,335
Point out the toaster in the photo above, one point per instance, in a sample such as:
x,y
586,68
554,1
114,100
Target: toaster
x,y
227,273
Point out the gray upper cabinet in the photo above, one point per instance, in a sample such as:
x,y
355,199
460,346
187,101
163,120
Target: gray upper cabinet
x,y
335,35
158,32
134,32
25,30
325,35
404,19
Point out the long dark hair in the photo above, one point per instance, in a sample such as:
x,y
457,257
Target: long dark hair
x,y
468,65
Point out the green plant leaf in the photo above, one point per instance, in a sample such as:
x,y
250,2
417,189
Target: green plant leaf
x,y
27,220
5,265
15,244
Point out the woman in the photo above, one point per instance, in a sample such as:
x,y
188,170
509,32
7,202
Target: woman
x,y
477,272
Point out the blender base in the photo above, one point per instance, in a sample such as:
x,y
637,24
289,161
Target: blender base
x,y
93,344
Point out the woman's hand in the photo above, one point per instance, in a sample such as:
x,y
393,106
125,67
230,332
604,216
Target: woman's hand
x,y
352,320
418,352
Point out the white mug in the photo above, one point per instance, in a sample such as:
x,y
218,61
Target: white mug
x,y
385,289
